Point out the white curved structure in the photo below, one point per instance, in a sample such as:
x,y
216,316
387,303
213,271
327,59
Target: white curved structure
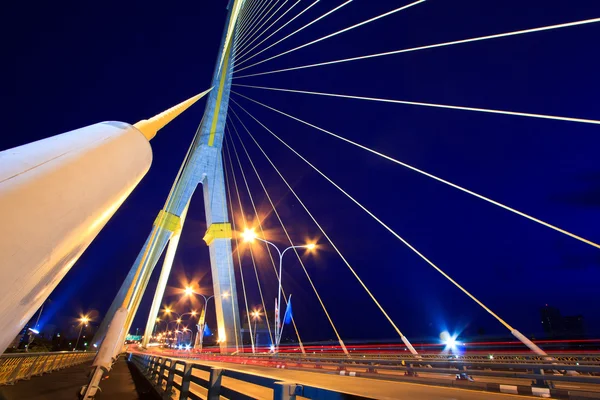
x,y
56,194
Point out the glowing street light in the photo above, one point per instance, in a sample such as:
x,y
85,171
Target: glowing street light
x,y
255,316
188,291
449,340
82,321
249,235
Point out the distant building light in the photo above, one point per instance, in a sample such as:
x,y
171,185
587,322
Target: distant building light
x,y
34,331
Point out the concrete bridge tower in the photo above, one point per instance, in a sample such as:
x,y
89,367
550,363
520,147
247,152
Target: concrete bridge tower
x,y
203,166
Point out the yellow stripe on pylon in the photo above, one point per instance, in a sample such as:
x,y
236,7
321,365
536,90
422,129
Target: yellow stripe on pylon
x,y
213,128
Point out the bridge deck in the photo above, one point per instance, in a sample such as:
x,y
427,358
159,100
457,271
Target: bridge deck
x,y
124,383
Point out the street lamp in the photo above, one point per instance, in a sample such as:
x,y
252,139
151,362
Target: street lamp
x,y
201,322
255,316
168,311
82,321
249,236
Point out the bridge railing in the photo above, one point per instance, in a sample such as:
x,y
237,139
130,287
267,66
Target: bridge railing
x,y
542,373
14,367
183,380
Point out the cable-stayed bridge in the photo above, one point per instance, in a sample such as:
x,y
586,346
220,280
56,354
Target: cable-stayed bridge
x,y
258,98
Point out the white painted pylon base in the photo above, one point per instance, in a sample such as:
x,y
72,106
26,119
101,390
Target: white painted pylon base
x,y
56,194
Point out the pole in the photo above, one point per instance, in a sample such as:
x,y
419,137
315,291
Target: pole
x,y
278,325
76,343
255,336
37,321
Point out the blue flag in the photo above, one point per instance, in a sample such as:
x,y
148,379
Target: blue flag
x,y
207,331
287,318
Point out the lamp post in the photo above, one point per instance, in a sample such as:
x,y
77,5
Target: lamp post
x,y
255,316
249,236
156,326
82,321
189,291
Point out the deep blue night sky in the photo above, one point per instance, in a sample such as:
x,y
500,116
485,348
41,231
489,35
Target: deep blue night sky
x,y
73,65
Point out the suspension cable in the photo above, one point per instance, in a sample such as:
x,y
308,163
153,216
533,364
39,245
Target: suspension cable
x,y
252,17
431,46
434,105
250,14
336,33
241,56
244,14
415,169
233,146
237,250
230,268
322,230
257,29
299,30
342,345
421,255
246,45
262,299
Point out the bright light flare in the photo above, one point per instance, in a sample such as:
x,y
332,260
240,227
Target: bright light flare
x,y
225,295
249,235
449,340
178,320
189,291
84,320
311,246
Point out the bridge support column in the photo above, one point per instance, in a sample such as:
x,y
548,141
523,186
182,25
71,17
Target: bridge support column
x,y
218,238
177,227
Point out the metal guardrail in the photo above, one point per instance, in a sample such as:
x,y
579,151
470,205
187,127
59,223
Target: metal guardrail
x,y
181,380
14,367
497,357
542,373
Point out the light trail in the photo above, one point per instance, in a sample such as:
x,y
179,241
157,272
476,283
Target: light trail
x,y
336,33
298,30
246,45
420,171
339,338
280,28
431,46
320,227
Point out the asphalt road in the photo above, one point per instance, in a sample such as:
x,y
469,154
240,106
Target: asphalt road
x,y
375,388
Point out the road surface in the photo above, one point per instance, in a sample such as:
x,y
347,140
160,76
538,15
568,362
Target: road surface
x,y
373,388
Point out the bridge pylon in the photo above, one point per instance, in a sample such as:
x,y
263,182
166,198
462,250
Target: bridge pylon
x,y
203,165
